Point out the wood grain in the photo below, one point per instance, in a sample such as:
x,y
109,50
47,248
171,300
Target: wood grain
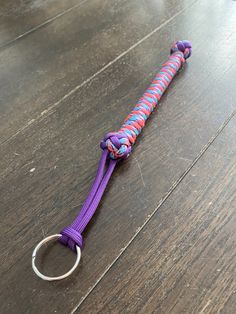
x,y
184,259
41,69
62,148
19,18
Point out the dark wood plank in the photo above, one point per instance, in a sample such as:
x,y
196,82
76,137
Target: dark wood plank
x,y
46,66
63,148
184,259
17,18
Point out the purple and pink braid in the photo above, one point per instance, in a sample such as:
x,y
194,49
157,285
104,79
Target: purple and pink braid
x,y
117,145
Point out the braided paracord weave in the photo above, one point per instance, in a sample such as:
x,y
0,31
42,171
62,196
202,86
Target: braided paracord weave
x,y
117,145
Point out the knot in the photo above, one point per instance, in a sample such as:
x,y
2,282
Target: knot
x,y
71,237
117,144
183,46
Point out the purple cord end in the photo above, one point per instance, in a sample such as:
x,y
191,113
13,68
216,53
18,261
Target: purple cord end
x,y
184,46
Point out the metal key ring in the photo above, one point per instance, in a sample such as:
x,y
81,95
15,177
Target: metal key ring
x,y
44,277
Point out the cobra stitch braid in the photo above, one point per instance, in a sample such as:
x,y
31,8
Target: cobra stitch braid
x,y
119,143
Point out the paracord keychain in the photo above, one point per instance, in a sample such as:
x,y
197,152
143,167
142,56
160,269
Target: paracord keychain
x,y
117,146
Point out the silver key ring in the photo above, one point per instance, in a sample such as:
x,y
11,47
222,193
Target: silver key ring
x,y
48,278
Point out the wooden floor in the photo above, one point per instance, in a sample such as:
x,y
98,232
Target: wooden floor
x,y
163,239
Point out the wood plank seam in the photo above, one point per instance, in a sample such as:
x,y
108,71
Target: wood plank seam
x,y
51,108
41,25
161,202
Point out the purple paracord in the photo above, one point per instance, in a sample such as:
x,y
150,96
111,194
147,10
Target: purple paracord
x,y
117,145
71,235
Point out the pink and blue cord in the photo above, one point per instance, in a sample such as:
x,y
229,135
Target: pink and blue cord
x,y
118,145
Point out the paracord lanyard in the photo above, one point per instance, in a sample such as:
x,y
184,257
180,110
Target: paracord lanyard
x,y
117,146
